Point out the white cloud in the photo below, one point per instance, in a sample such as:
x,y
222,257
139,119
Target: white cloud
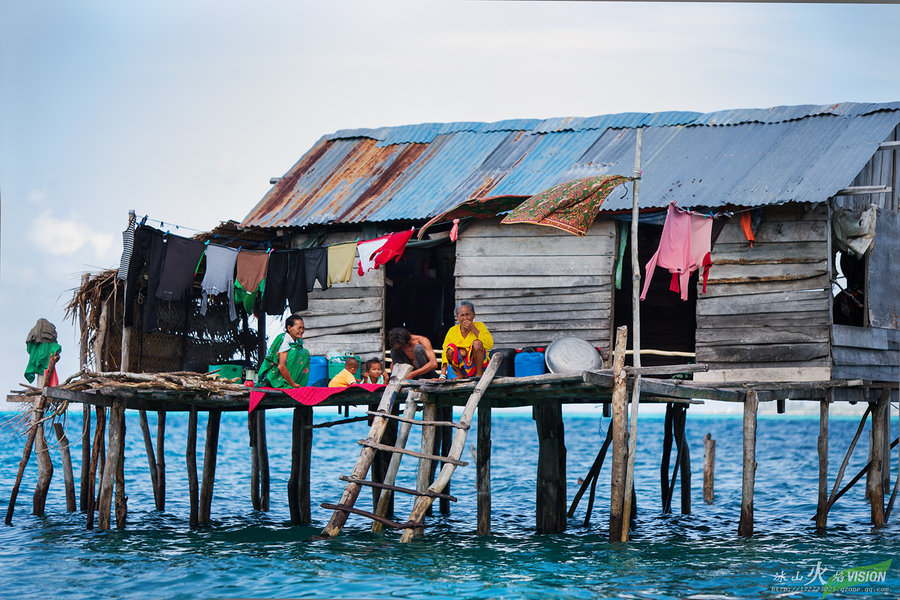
x,y
60,237
36,196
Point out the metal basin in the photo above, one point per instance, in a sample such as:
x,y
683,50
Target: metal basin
x,y
570,354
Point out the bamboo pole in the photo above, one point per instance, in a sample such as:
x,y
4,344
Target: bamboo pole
x,y
409,412
619,408
351,492
745,528
459,441
191,462
209,465
99,436
635,336
483,468
66,458
709,467
26,454
822,449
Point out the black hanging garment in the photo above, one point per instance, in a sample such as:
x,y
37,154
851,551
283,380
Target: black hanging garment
x,y
179,266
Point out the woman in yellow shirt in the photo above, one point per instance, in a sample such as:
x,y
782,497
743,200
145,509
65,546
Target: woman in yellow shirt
x,y
466,345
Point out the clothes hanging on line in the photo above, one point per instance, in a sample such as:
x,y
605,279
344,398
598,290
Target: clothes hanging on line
x,y
250,278
285,283
179,266
340,262
315,261
367,251
377,252
684,247
150,250
127,249
219,276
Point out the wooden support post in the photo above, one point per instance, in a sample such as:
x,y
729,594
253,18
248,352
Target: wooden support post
x,y
66,458
822,449
619,409
99,436
85,457
262,451
709,467
745,527
425,471
483,468
209,465
385,500
351,492
301,453
161,459
42,454
591,480
684,460
191,461
26,454
664,462
113,456
445,433
874,481
254,461
121,498
551,467
381,464
151,457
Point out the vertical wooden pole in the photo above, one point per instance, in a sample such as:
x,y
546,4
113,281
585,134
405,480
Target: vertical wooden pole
x,y
95,459
635,337
874,482
424,472
745,527
664,462
385,500
191,461
121,498
262,451
85,408
822,449
684,462
151,458
209,465
66,457
26,454
254,462
301,451
483,467
709,467
446,436
551,467
161,459
42,454
619,408
107,481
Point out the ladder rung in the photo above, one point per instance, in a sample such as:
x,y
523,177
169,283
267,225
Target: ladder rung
x,y
394,488
417,421
372,516
386,448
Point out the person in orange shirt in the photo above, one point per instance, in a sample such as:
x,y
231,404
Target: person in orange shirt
x,y
345,378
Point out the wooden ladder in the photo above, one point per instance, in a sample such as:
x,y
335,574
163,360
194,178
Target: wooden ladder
x,y
425,494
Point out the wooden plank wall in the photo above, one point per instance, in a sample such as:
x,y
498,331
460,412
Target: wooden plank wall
x,y
346,316
882,169
766,313
532,284
868,353
882,299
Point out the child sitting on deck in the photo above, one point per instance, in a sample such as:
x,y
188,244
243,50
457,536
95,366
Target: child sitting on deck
x,y
345,378
374,372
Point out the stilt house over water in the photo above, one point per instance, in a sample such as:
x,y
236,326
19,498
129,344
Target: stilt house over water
x,y
812,299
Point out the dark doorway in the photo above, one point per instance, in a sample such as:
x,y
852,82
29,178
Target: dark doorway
x,y
668,323
419,292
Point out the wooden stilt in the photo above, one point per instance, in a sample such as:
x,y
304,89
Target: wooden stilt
x,y
668,437
874,481
254,462
385,499
351,492
26,454
381,464
99,436
822,449
45,465
887,511
445,434
191,460
551,468
85,456
66,458
121,498
745,528
483,468
709,467
113,456
262,451
619,409
684,463
425,472
301,449
591,480
209,465
161,459
151,457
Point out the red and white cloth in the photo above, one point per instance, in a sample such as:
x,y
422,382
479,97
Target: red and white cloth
x,y
377,252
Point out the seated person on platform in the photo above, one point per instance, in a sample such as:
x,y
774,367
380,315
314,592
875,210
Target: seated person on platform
x,y
374,372
415,350
287,362
467,344
345,378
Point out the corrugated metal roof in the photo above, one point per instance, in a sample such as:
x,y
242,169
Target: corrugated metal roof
x,y
744,157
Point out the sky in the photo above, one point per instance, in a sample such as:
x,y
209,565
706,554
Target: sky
x,y
183,110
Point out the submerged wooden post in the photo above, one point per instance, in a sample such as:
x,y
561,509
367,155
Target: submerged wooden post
x,y
745,527
425,469
121,501
209,465
619,408
113,456
66,458
301,453
483,468
191,462
262,452
161,459
385,501
26,454
42,454
709,467
85,457
151,457
664,462
874,482
254,462
99,435
551,467
684,459
445,434
822,450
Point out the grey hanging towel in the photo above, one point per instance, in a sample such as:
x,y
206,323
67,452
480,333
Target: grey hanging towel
x,y
219,276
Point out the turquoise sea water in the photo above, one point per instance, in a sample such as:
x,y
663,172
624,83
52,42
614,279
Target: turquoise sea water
x,y
248,554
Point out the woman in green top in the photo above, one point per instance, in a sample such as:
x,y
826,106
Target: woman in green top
x,y
287,362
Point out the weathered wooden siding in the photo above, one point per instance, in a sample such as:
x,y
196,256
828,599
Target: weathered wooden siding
x,y
766,313
883,301
882,170
346,316
868,353
532,284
